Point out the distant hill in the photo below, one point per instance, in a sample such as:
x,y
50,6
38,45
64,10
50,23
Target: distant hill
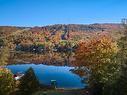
x,y
74,29
85,28
66,27
7,30
55,33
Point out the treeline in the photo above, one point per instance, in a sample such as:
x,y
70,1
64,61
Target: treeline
x,y
63,46
42,38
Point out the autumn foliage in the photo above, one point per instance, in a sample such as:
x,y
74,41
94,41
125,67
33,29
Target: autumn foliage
x,y
96,51
7,82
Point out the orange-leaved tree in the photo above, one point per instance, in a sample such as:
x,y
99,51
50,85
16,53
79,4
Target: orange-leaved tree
x,y
99,54
96,51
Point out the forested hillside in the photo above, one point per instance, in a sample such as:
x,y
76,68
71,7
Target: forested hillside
x,y
56,37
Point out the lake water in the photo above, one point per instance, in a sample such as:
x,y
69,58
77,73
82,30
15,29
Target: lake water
x,y
63,75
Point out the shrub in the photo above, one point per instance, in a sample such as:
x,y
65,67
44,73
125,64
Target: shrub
x,y
7,82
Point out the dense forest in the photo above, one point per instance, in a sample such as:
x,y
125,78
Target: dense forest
x,y
55,36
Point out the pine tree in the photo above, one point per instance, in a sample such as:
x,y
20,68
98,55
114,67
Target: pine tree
x,y
29,83
120,87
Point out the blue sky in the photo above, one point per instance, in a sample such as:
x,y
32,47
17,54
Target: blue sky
x,y
47,12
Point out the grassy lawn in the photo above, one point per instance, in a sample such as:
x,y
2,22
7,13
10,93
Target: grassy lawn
x,y
61,92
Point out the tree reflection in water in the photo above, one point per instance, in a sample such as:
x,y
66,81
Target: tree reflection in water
x,y
51,58
48,58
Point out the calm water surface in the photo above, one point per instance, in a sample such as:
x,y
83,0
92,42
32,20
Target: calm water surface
x,y
45,73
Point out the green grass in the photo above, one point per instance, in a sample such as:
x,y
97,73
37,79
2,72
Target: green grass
x,y
52,93
61,92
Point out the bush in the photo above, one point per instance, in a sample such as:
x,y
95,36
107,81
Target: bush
x,y
7,82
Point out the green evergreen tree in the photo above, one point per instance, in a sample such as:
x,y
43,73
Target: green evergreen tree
x,y
122,82
29,83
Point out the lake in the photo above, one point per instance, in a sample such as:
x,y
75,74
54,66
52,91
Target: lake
x,y
60,71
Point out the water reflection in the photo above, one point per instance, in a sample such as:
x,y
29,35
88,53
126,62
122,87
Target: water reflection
x,y
45,73
51,66
49,58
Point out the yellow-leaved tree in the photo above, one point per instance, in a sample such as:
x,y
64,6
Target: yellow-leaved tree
x,y
97,51
99,54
